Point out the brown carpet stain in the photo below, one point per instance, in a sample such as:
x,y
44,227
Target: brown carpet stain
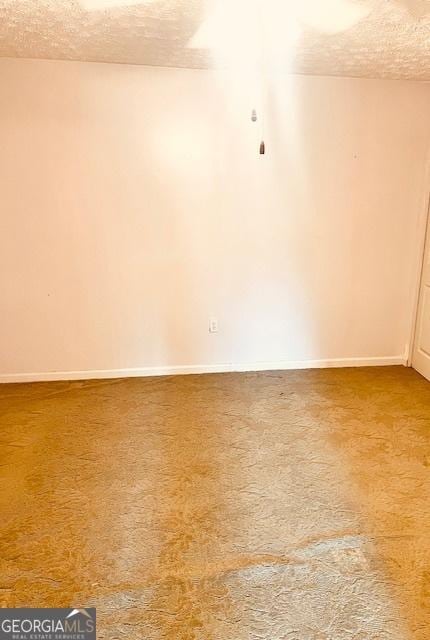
x,y
282,505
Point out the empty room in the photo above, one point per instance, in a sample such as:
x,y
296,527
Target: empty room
x,y
215,320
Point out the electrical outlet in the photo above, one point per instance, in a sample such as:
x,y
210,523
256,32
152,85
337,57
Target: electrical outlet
x,y
213,325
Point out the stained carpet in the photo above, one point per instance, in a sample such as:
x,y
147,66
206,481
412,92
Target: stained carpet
x,y
272,506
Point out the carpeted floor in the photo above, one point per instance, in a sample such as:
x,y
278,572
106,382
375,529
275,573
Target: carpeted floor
x,y
273,506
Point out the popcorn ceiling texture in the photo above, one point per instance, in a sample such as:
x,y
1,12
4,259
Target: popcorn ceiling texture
x,y
393,41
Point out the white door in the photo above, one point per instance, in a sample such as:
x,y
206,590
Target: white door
x,y
421,355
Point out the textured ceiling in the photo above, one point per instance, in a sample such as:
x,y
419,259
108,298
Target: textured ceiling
x,y
388,38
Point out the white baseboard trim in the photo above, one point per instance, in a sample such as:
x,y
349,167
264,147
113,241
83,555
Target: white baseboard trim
x,y
203,368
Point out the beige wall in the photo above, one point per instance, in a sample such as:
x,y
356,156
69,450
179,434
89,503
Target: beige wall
x,y
134,206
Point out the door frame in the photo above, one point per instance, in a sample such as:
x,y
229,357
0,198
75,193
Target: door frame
x,y
423,231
